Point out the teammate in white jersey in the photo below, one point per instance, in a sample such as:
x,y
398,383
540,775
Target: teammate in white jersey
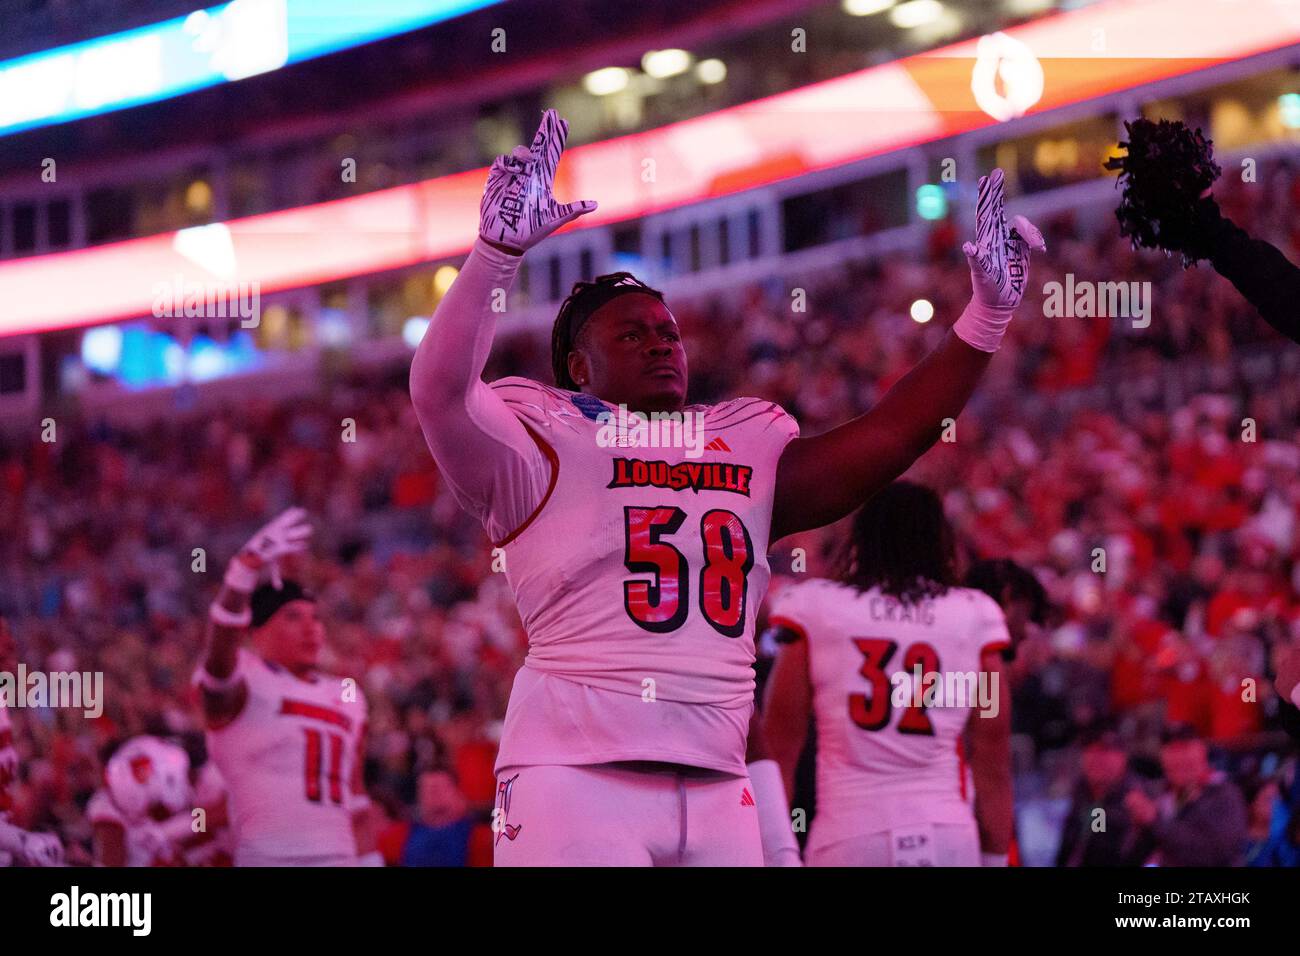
x,y
902,671
16,844
144,815
287,738
638,563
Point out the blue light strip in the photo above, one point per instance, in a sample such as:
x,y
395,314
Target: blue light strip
x,y
211,46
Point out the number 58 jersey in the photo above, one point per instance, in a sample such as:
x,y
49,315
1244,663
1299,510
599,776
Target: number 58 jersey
x,y
889,748
638,579
288,760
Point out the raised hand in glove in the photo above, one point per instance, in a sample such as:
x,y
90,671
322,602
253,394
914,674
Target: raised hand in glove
x,y
999,267
518,209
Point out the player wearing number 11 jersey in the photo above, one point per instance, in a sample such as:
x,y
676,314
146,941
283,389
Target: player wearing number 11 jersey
x,y
638,566
287,737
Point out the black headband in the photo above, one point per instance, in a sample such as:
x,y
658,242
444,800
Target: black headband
x,y
592,299
267,599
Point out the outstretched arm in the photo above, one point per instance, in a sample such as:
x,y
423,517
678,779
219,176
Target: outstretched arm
x,y
489,460
873,449
222,691
1269,281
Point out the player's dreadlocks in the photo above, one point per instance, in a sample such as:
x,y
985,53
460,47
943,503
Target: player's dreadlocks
x,y
901,542
1004,580
585,299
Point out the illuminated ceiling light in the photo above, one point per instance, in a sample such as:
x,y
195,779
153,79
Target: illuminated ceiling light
x,y
931,202
915,13
101,348
443,278
711,71
1026,8
922,311
209,247
1289,104
413,330
865,8
198,196
604,82
662,64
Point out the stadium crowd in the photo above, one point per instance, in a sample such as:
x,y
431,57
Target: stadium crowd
x,y
1150,477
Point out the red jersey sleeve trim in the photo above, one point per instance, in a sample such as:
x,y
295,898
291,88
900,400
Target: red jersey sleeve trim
x,y
554,459
777,620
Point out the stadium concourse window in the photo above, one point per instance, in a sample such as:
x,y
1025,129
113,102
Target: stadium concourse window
x,y
109,214
24,228
180,201
392,302
1059,156
249,186
841,212
58,224
283,328
1264,108
13,374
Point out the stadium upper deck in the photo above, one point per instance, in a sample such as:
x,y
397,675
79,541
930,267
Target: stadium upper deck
x,y
438,101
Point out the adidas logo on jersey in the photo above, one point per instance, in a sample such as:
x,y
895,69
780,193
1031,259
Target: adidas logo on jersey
x,y
746,800
717,445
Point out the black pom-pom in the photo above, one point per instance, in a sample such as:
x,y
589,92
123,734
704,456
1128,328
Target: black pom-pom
x,y
1166,169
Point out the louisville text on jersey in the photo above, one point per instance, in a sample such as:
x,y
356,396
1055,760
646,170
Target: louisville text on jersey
x,y
697,476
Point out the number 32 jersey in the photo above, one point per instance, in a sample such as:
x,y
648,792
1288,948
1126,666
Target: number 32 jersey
x,y
638,579
883,761
288,760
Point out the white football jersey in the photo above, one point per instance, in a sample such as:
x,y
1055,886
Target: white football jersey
x,y
144,845
287,761
638,580
889,750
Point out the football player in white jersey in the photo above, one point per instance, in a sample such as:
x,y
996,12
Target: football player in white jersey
x,y
287,738
144,813
16,844
902,671
637,555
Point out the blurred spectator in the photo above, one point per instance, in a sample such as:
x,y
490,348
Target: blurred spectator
x,y
1098,830
443,831
1201,820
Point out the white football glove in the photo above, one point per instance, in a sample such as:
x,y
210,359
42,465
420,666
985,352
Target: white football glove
x,y
999,268
519,208
286,534
41,849
999,257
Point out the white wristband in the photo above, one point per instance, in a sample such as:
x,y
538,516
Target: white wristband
x,y
218,685
373,858
226,618
994,859
981,326
1295,695
240,577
